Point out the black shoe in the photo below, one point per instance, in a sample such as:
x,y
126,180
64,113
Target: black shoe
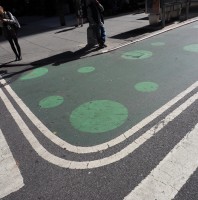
x,y
18,58
102,46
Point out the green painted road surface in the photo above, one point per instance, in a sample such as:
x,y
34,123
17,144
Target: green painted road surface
x,y
93,100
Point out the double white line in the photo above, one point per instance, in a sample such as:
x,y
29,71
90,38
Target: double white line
x,y
104,161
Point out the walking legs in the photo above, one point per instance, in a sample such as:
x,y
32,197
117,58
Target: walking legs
x,y
15,47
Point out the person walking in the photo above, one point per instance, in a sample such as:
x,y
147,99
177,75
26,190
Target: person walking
x,y
95,18
7,22
78,5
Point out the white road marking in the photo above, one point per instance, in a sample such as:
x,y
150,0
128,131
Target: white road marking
x,y
165,29
10,176
94,163
79,149
165,181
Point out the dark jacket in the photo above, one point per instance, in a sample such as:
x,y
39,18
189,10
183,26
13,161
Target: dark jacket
x,y
95,12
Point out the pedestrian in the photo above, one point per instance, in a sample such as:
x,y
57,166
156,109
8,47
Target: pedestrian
x,y
7,22
78,5
95,18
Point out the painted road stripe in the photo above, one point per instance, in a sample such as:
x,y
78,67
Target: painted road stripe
x,y
80,150
164,182
94,163
165,29
10,176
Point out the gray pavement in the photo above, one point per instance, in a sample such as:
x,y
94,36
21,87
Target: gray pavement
x,y
43,37
170,70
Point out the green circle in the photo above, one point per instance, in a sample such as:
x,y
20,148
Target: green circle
x,y
51,102
138,54
146,87
158,44
87,69
98,116
35,73
191,48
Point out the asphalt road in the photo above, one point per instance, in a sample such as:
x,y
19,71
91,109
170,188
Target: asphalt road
x,y
118,125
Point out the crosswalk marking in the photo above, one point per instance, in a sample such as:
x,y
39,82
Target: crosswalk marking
x,y
10,176
164,182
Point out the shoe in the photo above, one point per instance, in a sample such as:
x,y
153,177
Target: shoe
x,y
102,46
18,58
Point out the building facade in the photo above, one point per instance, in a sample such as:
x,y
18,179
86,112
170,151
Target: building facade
x,y
36,7
51,7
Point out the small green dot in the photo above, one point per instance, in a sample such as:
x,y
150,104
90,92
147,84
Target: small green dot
x,y
158,44
35,73
51,102
87,69
98,116
138,54
191,48
146,87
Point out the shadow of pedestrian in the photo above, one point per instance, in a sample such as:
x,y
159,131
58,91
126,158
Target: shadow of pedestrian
x,y
6,63
55,60
64,57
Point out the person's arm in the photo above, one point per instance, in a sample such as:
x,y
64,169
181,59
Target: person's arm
x,y
100,6
9,21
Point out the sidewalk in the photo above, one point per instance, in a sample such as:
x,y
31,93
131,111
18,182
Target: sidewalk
x,y
42,38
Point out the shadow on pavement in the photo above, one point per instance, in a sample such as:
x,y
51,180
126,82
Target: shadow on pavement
x,y
40,24
137,32
12,71
65,30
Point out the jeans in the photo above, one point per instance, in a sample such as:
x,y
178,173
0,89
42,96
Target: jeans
x,y
100,33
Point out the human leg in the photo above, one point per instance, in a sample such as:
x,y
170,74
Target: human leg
x,y
81,19
97,32
13,47
18,48
102,36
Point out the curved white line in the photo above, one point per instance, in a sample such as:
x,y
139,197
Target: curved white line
x,y
94,163
82,150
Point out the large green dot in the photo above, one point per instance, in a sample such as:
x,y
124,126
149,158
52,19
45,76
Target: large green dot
x,y
51,102
191,48
146,87
87,69
98,116
35,73
138,54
